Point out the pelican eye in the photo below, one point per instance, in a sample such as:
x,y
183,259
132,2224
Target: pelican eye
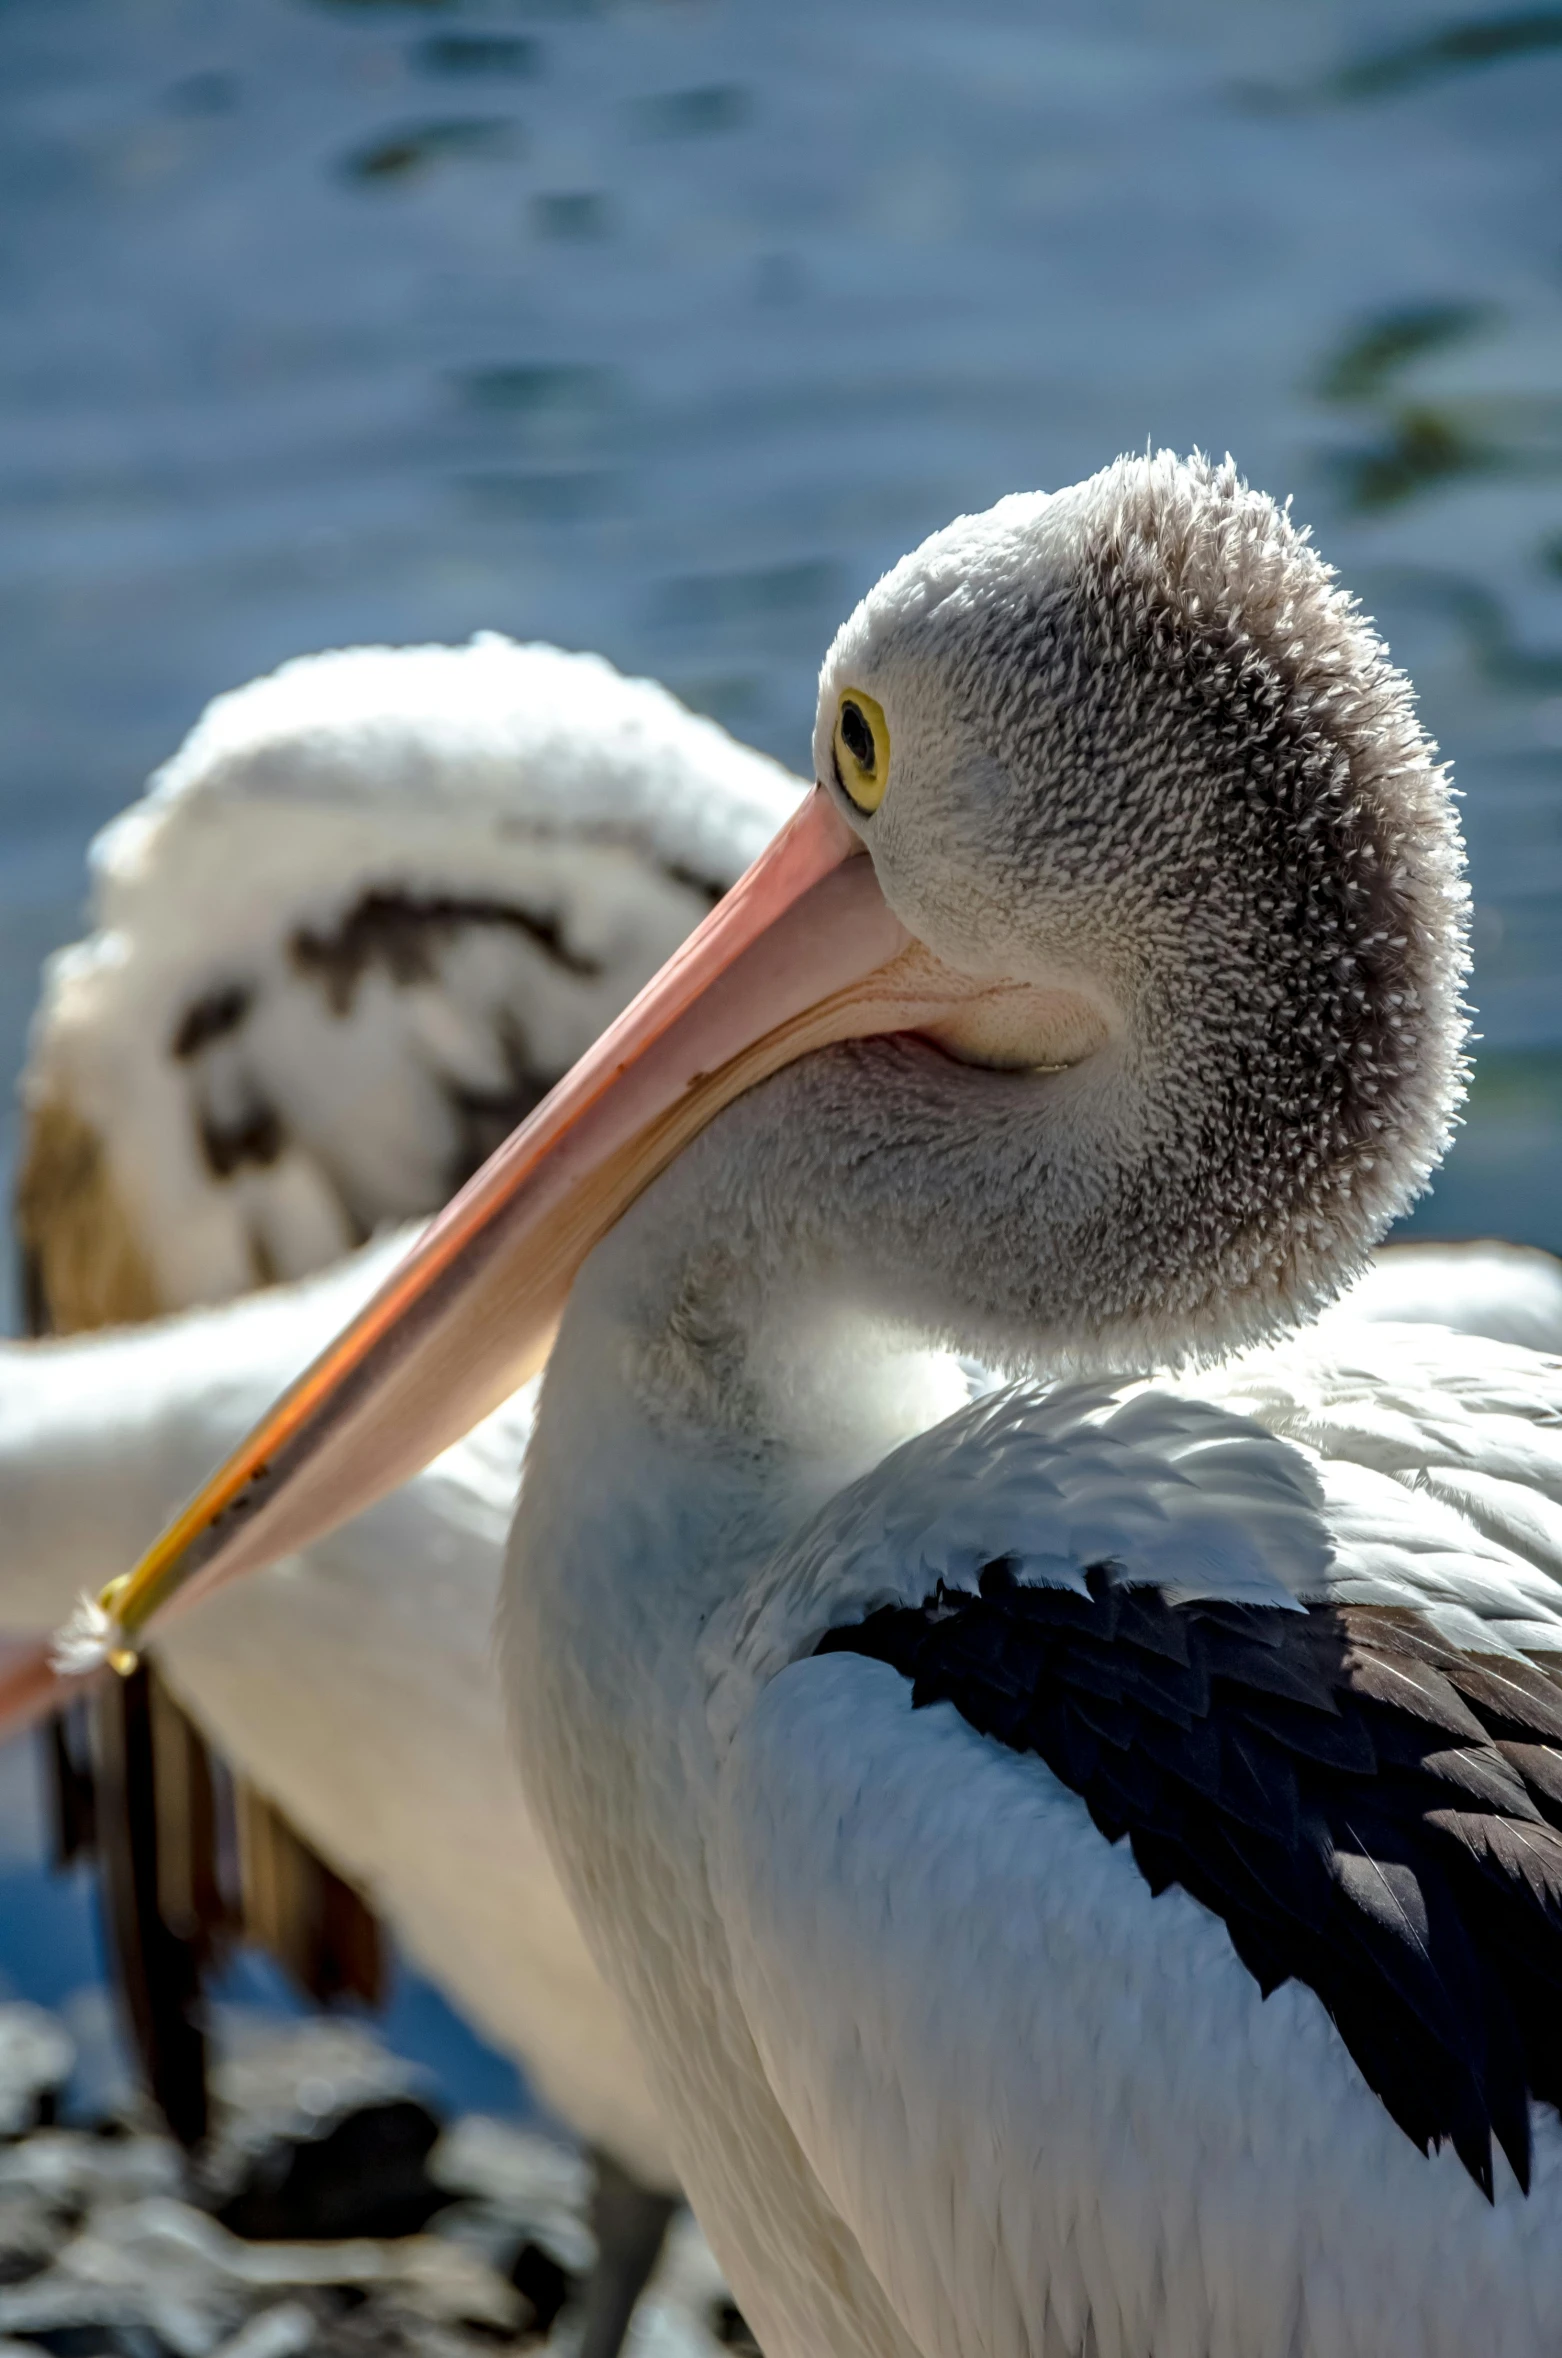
x,y
862,750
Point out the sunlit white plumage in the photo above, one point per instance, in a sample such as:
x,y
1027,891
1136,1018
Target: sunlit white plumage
x,y
529,834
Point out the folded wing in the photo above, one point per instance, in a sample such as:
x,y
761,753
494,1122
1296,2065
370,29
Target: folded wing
x,y
1059,1879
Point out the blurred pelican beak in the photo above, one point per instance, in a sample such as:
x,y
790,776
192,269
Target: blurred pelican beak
x,y
803,951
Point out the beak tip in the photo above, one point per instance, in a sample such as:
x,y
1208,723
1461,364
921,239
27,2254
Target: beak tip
x,y
86,1641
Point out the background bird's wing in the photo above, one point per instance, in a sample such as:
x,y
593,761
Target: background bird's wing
x,y
372,909
1015,1831
346,1057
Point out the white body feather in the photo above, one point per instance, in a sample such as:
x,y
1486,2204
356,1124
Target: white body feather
x,y
940,2075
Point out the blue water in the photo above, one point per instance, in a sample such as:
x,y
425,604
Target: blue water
x,y
662,327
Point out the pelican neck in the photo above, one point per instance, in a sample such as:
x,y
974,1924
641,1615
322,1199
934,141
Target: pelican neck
x,y
719,1370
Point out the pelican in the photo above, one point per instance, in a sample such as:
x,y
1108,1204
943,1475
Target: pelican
x,y
1083,1864
371,908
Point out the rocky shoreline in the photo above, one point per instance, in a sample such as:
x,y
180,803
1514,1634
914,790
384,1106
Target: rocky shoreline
x,y
332,2212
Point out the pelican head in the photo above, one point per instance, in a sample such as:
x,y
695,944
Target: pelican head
x,y
1139,766
1129,917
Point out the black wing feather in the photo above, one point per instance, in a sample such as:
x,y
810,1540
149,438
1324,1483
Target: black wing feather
x,y
1369,1810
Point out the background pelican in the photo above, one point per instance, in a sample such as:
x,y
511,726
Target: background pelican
x,y
371,908
365,916
955,1782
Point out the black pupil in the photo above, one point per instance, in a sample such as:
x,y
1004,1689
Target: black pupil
x,y
857,736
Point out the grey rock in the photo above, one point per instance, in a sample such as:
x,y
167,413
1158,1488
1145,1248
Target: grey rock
x,y
280,2332
36,2059
272,2080
112,2234
163,2264
537,2189
76,2171
31,2231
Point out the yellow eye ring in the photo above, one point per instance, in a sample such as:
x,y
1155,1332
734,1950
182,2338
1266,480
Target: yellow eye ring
x,y
861,750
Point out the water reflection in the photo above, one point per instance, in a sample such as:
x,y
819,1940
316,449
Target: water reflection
x,y
1450,49
691,114
509,55
1364,367
561,498
555,400
574,215
716,601
412,147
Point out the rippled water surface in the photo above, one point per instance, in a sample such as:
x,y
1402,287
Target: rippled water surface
x,y
663,327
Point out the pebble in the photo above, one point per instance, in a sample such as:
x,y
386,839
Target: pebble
x,y
36,2056
112,2243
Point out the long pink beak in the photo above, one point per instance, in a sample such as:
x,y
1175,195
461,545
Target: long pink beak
x,y
802,952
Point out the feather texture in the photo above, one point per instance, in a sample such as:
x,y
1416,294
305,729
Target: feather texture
x,y
364,917
1331,1784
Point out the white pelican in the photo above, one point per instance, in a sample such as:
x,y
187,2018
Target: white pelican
x,y
373,906
1085,1865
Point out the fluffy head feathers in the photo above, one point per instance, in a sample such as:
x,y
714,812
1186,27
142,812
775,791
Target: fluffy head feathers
x,y
1142,743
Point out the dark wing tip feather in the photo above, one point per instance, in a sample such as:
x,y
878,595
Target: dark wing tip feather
x,y
193,1861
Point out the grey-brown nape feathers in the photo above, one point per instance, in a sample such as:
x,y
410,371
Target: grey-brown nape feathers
x,y
1347,812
